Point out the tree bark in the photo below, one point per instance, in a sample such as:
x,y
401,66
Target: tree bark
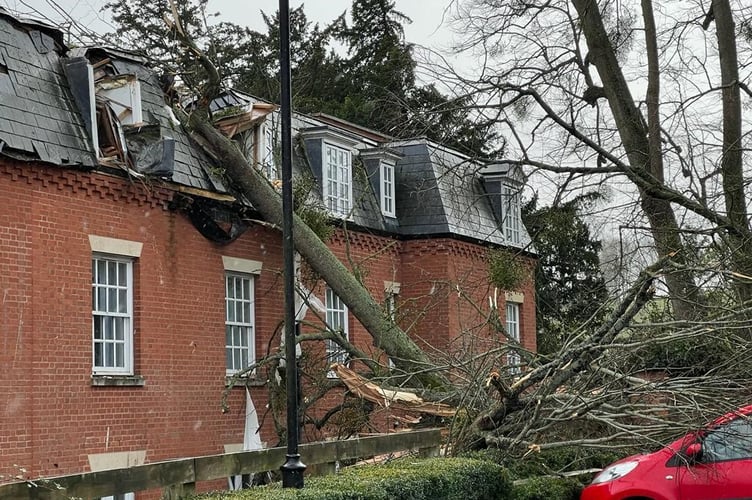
x,y
731,159
684,293
396,343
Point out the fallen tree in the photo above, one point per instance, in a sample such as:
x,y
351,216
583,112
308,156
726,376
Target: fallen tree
x,y
586,381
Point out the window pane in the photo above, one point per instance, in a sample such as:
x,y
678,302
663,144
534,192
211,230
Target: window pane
x,y
101,272
112,297
98,354
98,327
119,328
120,355
109,355
112,272
108,330
101,299
230,311
122,274
123,300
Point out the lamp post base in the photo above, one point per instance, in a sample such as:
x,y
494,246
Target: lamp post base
x,y
292,472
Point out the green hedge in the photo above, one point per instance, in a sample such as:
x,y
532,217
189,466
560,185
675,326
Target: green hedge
x,y
549,462
480,477
547,488
408,479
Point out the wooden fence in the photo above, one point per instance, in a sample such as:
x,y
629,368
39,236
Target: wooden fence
x,y
178,477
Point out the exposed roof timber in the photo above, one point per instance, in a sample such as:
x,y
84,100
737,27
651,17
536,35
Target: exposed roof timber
x,y
352,127
236,123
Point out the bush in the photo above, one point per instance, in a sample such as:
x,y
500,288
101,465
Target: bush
x,y
409,479
547,462
547,488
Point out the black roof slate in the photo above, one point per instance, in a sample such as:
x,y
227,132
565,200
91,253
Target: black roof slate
x,y
38,119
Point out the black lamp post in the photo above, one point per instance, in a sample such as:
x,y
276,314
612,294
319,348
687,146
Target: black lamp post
x,y
293,468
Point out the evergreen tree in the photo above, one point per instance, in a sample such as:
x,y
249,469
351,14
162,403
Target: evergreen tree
x,y
372,85
570,288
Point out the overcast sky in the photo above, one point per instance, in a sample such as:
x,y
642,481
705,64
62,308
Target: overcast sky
x,y
426,29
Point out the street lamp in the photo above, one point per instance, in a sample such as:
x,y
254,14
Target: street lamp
x,y
293,468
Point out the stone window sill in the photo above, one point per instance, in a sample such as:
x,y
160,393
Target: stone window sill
x,y
246,382
117,381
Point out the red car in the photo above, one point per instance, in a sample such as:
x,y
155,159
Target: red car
x,y
714,463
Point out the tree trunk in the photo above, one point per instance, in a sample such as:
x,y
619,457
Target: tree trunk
x,y
642,159
388,336
731,159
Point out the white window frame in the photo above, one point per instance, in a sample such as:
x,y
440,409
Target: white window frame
x,y
123,496
117,310
267,162
513,310
337,178
123,93
240,322
336,320
388,205
511,213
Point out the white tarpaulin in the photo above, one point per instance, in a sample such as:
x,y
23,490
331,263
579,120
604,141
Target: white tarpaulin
x,y
251,436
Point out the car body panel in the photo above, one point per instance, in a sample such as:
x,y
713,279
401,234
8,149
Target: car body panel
x,y
722,471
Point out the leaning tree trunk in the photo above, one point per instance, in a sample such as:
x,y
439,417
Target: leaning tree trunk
x,y
396,343
388,336
645,170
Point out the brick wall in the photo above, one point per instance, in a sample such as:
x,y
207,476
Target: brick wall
x,y
53,417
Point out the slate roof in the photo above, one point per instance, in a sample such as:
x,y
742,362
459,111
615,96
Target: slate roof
x,y
440,192
192,165
37,115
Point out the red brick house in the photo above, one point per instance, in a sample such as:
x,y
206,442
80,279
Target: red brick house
x,y
134,280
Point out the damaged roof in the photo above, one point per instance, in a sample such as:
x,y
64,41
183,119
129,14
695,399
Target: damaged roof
x,y
61,107
43,117
39,119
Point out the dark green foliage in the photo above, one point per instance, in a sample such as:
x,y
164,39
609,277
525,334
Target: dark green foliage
x,y
547,488
695,356
504,270
549,462
373,84
409,479
570,288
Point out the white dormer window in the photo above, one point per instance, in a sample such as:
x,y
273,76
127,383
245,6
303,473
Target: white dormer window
x,y
123,94
337,177
387,189
511,216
